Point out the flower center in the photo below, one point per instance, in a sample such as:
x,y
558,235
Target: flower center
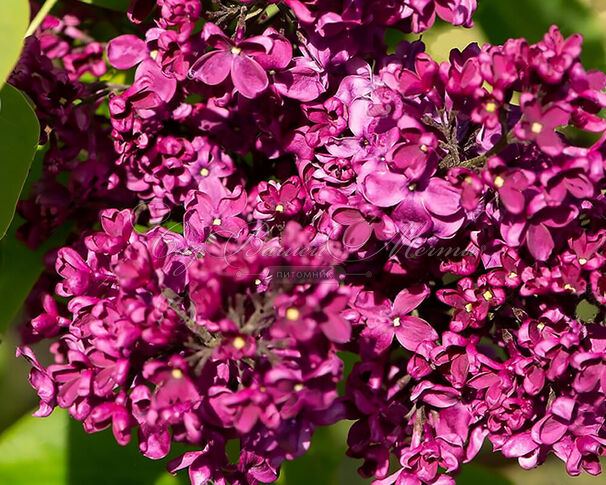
x,y
235,50
298,387
499,182
424,148
412,187
292,314
239,343
582,261
488,295
468,307
513,275
569,287
217,222
536,128
279,208
177,373
490,107
396,322
204,172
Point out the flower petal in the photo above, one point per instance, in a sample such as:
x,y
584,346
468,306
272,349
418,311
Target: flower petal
x,y
126,51
413,331
212,68
248,76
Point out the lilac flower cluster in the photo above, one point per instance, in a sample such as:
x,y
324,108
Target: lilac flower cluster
x,y
79,174
458,216
231,360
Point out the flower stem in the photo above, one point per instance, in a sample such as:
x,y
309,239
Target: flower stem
x,y
43,12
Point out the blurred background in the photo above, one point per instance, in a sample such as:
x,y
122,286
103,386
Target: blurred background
x,y
55,450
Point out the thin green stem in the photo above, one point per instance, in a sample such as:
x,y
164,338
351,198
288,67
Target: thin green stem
x,y
43,12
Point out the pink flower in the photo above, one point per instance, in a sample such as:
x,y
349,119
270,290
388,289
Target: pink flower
x,y
246,60
538,125
386,320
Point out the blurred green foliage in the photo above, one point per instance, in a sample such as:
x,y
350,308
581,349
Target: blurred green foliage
x,y
504,19
57,451
120,5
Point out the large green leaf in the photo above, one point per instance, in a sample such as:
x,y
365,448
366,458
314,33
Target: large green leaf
x,y
14,19
20,266
120,5
19,134
504,19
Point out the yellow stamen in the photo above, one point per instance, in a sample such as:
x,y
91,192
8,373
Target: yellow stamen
x,y
204,172
536,128
499,181
235,50
490,107
488,295
292,314
582,261
397,322
177,373
279,208
298,387
412,187
569,287
217,222
513,275
239,343
468,307
424,148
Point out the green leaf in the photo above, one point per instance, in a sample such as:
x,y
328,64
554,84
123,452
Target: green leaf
x,y
586,311
531,19
14,19
20,266
120,5
19,134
